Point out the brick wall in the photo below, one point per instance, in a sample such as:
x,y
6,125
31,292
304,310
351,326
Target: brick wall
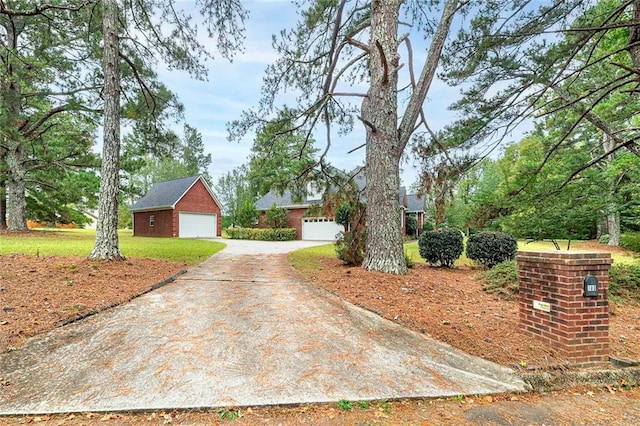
x,y
197,200
294,220
576,325
162,227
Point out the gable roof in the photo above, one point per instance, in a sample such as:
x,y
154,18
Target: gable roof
x,y
284,200
401,196
165,195
415,203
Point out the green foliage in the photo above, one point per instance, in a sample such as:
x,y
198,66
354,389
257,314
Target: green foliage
x,y
502,279
276,217
270,234
442,247
315,210
625,280
428,226
227,414
604,239
344,405
227,222
247,215
234,191
343,215
350,247
408,260
491,248
412,225
364,405
282,157
171,157
630,241
125,219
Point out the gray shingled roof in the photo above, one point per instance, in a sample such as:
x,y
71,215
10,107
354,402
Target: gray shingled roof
x,y
415,203
164,194
272,197
285,200
401,194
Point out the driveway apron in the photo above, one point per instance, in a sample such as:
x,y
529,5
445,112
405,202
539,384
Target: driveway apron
x,y
238,330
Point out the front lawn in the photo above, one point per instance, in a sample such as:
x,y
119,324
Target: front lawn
x,y
79,242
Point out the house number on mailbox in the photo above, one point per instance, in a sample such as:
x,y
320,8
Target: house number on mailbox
x,y
590,286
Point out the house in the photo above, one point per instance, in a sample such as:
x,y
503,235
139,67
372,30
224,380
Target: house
x,y
310,226
317,228
415,207
184,207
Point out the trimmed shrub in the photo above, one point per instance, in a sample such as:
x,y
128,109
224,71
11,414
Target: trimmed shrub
x,y
349,249
630,241
275,234
624,280
442,247
490,248
502,279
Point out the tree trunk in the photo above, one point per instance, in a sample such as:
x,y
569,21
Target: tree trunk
x,y
634,36
613,215
384,251
11,104
16,191
106,245
3,204
613,223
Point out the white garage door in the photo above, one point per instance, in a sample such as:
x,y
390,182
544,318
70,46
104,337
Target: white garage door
x,y
320,229
197,225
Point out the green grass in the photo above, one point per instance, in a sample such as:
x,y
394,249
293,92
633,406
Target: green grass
x,y
79,242
576,246
306,259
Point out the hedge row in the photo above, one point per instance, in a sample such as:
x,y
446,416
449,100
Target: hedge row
x,y
275,234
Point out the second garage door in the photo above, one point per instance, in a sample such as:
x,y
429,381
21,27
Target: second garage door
x,y
197,225
320,229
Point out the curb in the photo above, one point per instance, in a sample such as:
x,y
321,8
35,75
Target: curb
x,y
553,381
92,312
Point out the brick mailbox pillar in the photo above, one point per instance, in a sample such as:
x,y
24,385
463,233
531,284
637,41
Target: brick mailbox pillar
x,y
556,305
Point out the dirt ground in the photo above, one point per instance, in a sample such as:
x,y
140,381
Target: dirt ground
x,y
38,293
450,305
567,408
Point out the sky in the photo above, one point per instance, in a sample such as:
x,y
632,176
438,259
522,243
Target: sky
x,y
235,86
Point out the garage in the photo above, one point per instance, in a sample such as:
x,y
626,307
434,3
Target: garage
x,y
184,207
197,225
320,229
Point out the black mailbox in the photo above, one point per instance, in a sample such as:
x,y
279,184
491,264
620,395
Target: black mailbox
x,y
590,286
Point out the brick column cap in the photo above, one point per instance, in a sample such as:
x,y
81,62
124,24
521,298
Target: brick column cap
x,y
565,257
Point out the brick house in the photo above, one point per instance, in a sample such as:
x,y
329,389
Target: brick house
x,y
416,208
309,226
184,207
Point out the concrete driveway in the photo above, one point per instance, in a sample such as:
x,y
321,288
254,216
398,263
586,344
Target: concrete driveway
x,y
239,329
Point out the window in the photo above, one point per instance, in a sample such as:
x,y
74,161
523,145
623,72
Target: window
x,y
152,220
